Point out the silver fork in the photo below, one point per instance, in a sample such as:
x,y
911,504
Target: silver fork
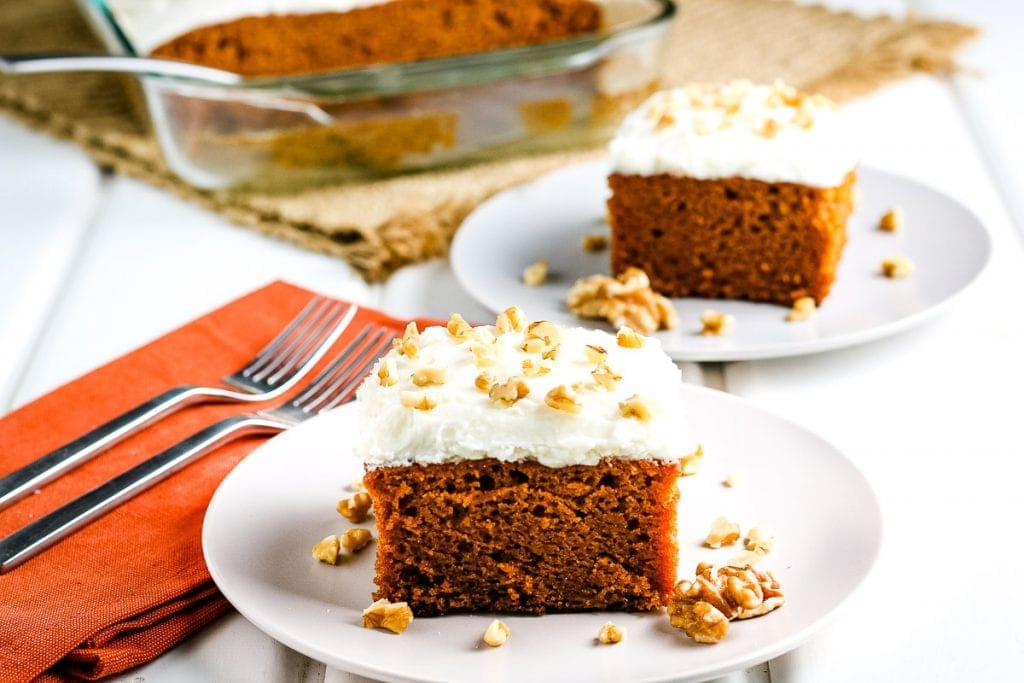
x,y
332,387
277,368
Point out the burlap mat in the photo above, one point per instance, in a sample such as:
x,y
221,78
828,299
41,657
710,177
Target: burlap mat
x,y
379,226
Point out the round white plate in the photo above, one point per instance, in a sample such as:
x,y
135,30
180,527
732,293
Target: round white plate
x,y
547,218
270,511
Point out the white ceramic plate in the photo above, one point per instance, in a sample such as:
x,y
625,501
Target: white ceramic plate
x,y
547,218
270,511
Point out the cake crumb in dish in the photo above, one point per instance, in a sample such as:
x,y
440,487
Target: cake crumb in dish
x,y
803,309
610,633
393,616
715,323
536,274
703,607
594,243
326,550
723,532
356,508
497,633
625,300
892,220
897,266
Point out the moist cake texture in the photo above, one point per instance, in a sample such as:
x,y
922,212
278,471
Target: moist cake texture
x,y
734,191
303,37
536,473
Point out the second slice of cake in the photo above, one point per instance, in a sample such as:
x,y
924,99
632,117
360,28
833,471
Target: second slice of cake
x,y
738,191
523,467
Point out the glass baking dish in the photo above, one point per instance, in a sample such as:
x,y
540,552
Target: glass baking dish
x,y
285,133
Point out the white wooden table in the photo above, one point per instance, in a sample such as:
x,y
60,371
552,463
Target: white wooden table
x,y
91,268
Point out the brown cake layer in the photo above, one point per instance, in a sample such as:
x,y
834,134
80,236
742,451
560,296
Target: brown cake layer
x,y
733,238
486,535
397,31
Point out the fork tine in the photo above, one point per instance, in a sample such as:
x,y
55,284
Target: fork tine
x,y
301,354
354,370
349,392
268,351
313,327
343,357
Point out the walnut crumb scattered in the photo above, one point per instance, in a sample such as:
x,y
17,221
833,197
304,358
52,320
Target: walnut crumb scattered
x,y
628,338
690,464
393,616
561,398
897,266
410,399
594,243
605,377
355,540
425,377
508,392
891,220
610,633
459,328
745,558
497,633
626,300
759,539
715,323
723,532
409,344
534,369
386,372
594,353
510,320
729,480
535,274
484,381
769,128
550,353
326,551
637,407
356,508
544,330
534,345
484,355
703,607
803,309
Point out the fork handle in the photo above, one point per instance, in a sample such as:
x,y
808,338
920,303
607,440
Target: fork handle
x,y
22,482
32,539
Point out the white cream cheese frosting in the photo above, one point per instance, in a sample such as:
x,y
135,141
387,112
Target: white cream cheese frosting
x,y
434,406
763,132
151,23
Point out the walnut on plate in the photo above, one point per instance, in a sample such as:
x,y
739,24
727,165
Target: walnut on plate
x,y
703,607
625,300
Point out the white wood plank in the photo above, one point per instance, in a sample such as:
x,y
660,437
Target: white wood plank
x,y
928,418
154,263
48,192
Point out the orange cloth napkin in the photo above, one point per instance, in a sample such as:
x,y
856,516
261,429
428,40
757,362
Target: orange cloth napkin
x,y
132,584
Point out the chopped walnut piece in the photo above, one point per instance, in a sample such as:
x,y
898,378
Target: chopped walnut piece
x,y
769,128
544,330
605,377
594,353
410,399
534,345
386,372
508,392
690,464
703,607
532,369
594,243
497,633
411,331
897,266
715,323
561,398
484,355
326,551
637,407
627,338
510,320
610,633
729,480
803,309
745,558
892,220
393,616
459,328
759,539
355,509
355,540
425,377
550,353
535,274
626,300
484,381
723,532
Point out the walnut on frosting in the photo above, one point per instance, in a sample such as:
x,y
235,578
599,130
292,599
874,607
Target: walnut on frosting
x,y
508,392
510,320
459,328
409,344
562,398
